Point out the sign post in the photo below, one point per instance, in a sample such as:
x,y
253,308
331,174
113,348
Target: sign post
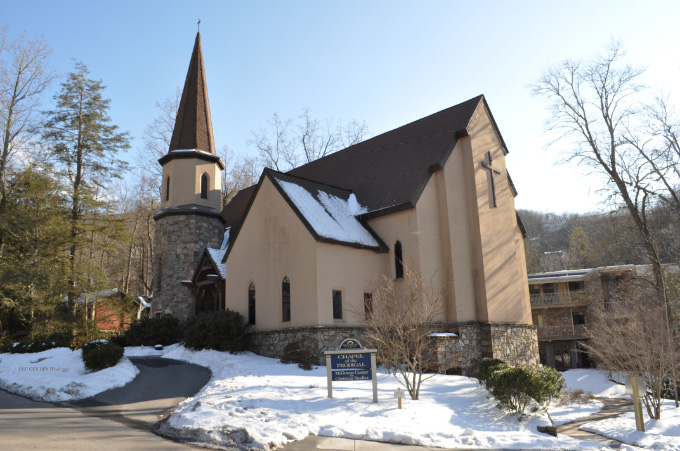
x,y
636,389
351,362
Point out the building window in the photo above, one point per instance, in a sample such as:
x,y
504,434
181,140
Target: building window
x,y
337,304
285,298
538,320
204,186
368,305
534,290
578,318
398,261
251,304
575,286
167,189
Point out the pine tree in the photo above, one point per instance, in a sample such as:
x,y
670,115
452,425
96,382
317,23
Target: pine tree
x,y
36,230
86,145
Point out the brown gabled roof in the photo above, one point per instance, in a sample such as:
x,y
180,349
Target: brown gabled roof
x,y
234,211
392,169
193,126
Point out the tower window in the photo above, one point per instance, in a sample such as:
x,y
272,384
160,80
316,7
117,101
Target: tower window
x,y
251,304
398,261
167,189
204,186
285,298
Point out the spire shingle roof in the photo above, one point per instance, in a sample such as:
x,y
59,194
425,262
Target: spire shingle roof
x,y
193,126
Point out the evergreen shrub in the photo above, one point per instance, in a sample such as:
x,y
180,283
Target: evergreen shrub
x,y
224,330
164,330
38,343
515,388
484,367
101,354
293,354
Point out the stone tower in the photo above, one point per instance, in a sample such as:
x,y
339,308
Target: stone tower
x,y
189,219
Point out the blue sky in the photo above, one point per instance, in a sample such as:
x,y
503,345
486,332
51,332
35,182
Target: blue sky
x,y
385,62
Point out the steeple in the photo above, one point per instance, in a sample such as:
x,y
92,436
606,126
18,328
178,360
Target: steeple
x,y
193,127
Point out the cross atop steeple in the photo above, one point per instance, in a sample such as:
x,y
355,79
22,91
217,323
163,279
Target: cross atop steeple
x,y
193,126
199,25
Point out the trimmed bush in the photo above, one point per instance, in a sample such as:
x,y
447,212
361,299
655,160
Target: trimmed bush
x,y
510,386
224,330
164,330
514,388
101,354
293,354
484,367
38,343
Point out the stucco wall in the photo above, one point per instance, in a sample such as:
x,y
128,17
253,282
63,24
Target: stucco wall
x,y
273,243
185,183
504,270
351,271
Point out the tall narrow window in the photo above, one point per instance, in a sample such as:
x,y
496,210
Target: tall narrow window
x,y
204,186
337,304
167,189
398,261
285,298
368,305
251,304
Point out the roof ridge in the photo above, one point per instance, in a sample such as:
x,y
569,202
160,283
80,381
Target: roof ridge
x,y
288,174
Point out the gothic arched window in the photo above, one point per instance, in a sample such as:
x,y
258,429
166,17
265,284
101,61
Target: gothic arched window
x,y
204,186
167,189
285,298
251,304
398,261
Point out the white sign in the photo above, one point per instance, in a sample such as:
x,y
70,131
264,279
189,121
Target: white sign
x,y
398,393
642,387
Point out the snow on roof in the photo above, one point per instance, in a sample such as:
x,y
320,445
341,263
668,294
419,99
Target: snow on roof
x,y
216,255
330,216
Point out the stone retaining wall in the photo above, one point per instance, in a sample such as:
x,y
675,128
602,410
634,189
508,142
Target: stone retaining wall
x,y
516,344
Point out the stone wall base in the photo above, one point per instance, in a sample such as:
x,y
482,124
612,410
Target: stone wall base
x,y
513,343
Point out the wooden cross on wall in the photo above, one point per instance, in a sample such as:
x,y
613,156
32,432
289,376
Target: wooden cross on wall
x,y
489,167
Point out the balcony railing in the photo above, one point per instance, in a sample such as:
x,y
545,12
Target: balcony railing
x,y
556,299
557,332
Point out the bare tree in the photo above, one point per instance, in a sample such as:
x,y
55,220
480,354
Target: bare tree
x,y
24,76
595,105
625,337
239,173
283,146
399,318
157,135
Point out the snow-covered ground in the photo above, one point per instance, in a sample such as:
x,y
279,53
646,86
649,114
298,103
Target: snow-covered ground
x,y
59,375
661,434
258,402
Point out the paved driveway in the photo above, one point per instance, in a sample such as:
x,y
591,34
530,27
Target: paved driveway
x,y
134,409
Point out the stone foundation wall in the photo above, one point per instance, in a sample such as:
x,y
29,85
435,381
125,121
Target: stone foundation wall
x,y
516,344
180,239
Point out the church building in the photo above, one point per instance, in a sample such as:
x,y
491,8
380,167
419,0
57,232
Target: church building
x,y
296,253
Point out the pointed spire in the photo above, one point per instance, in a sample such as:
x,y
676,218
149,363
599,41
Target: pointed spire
x,y
193,127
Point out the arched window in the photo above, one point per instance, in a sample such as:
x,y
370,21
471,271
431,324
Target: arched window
x,y
204,186
251,304
398,261
285,298
167,189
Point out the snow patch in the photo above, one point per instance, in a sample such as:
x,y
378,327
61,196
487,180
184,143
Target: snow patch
x,y
330,216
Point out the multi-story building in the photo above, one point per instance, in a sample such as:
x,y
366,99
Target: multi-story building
x,y
559,308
